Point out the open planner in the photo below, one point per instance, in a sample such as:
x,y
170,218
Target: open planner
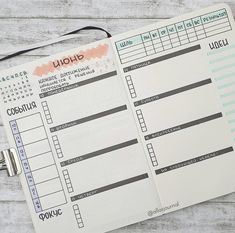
x,y
126,128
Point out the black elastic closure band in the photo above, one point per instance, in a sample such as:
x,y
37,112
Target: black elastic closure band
x,y
89,28
69,33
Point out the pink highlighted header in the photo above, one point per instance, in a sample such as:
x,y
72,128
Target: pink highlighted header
x,y
88,54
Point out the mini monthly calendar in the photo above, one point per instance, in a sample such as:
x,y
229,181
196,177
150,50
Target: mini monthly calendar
x,y
127,128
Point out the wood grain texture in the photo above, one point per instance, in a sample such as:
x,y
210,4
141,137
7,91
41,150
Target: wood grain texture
x,y
25,22
102,9
44,29
204,217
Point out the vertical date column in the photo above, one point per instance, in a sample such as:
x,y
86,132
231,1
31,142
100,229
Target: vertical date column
x,y
148,44
183,37
157,43
26,166
175,41
199,29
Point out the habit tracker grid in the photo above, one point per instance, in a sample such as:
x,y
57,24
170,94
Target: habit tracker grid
x,y
127,128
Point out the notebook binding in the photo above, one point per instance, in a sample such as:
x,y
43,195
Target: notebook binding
x,y
9,162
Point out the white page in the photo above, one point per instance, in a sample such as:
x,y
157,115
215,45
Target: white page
x,y
84,167
182,94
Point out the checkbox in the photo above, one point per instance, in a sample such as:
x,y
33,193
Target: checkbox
x,y
80,225
143,125
44,103
155,163
66,176
75,207
56,142
69,185
79,220
49,121
128,77
59,151
60,155
65,172
48,116
70,190
76,211
141,120
150,150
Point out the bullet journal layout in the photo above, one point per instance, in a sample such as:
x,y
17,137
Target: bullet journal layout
x,y
127,128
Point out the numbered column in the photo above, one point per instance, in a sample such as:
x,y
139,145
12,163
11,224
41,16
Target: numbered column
x,y
165,38
157,43
175,41
199,29
190,30
148,44
183,37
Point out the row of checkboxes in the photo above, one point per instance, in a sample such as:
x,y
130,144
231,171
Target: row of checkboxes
x,y
152,154
47,112
68,181
141,120
78,216
131,86
57,146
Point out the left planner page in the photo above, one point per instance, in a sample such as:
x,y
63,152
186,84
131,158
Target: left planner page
x,y
84,168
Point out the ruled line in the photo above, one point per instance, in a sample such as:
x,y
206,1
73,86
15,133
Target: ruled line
x,y
162,58
183,126
88,118
98,152
109,187
194,160
172,92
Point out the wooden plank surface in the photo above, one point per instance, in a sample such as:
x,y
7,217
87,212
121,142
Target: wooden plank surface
x,y
102,9
25,22
44,29
206,217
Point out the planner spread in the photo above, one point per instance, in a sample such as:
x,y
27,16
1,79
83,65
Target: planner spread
x,y
127,128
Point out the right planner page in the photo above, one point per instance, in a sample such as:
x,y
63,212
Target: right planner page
x,y
180,78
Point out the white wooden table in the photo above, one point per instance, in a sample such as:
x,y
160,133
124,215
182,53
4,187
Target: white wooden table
x,y
25,22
